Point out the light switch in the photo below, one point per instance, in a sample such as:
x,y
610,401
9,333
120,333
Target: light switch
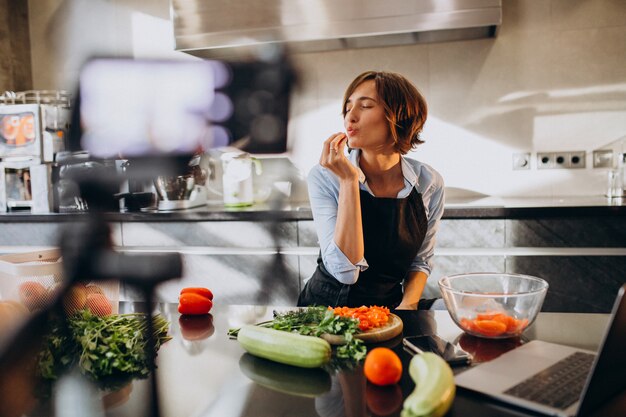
x,y
521,161
603,159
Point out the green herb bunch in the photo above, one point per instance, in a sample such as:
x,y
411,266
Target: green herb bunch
x,y
317,320
110,350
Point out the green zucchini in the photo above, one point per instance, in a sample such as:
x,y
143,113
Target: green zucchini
x,y
284,347
287,379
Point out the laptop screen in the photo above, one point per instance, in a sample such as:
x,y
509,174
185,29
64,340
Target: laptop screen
x,y
608,376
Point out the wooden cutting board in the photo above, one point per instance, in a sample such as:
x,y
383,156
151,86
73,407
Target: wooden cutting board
x,y
388,331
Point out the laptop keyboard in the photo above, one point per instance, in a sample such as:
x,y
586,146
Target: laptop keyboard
x,y
558,386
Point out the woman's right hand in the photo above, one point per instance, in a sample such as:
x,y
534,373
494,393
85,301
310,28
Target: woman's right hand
x,y
334,159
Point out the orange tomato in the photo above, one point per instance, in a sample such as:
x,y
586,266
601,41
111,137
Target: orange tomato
x,y
382,366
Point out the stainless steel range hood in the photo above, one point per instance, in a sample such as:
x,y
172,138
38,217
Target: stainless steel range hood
x,y
214,27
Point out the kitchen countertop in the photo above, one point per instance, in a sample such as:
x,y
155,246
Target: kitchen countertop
x,y
203,373
528,207
455,208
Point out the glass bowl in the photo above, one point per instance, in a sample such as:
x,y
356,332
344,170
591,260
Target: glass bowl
x,y
493,305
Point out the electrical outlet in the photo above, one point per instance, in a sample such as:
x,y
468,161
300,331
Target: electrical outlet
x,y
545,160
561,160
521,161
577,159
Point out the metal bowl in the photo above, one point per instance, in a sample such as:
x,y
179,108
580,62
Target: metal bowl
x,y
175,188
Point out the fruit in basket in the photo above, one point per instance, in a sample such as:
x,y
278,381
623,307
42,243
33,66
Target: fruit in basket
x,y
382,366
33,295
98,304
75,299
93,289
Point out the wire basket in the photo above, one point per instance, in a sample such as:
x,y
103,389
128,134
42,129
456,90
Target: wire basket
x,y
33,280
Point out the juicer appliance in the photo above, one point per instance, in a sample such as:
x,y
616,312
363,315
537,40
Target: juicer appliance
x,y
33,129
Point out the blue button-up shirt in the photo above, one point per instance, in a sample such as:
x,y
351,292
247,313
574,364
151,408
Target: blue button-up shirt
x,y
324,196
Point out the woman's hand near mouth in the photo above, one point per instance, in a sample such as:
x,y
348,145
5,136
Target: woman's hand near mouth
x,y
334,159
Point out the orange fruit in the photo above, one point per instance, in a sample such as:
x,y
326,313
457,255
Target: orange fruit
x,y
33,295
99,305
382,366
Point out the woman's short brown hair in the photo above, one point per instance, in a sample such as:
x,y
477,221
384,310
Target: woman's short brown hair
x,y
405,107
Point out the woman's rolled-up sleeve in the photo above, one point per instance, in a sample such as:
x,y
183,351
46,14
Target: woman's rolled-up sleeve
x,y
435,205
323,196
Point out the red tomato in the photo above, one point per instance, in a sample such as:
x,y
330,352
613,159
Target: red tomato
x,y
190,303
205,292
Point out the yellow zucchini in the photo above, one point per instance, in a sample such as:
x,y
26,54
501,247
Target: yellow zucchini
x,y
434,387
284,347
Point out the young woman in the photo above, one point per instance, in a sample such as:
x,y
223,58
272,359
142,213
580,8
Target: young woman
x,y
375,211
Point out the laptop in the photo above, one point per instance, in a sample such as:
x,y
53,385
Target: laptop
x,y
541,376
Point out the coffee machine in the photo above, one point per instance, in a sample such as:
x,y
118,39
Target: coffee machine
x,y
33,129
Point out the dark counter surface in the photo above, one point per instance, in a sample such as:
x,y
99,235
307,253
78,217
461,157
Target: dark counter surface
x,y
529,207
212,376
455,208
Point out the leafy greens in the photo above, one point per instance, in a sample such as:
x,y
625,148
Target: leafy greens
x,y
110,350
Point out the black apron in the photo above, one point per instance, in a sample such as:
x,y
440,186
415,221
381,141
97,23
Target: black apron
x,y
393,230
